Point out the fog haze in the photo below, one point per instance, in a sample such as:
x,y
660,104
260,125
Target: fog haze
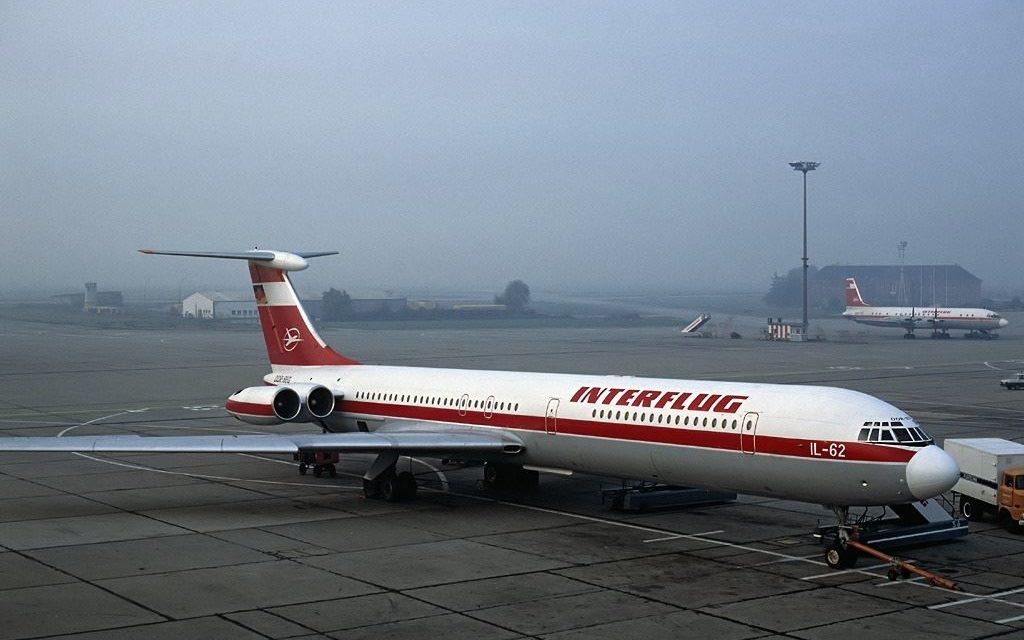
x,y
593,146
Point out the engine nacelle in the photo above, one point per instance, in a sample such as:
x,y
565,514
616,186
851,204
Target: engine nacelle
x,y
277,404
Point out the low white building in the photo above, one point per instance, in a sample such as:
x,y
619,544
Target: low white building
x,y
214,304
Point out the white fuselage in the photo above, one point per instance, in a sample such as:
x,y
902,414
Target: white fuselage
x,y
794,442
939,318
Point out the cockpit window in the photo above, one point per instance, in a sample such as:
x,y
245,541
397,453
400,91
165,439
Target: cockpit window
x,y
913,436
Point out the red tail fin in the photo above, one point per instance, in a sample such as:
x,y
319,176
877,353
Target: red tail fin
x,y
853,298
290,336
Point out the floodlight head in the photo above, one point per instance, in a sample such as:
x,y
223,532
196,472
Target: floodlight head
x,y
804,166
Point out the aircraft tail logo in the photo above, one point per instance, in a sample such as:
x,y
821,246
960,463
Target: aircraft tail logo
x,y
853,298
291,339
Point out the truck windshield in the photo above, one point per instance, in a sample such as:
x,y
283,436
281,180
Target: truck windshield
x,y
1019,482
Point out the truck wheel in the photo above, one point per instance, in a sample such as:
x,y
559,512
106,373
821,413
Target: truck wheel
x,y
1008,523
970,509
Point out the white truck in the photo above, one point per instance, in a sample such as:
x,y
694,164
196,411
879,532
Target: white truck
x,y
1016,382
991,479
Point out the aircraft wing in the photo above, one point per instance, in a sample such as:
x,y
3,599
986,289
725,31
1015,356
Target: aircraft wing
x,y
422,438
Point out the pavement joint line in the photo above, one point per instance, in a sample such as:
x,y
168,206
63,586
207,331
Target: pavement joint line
x,y
637,527
864,570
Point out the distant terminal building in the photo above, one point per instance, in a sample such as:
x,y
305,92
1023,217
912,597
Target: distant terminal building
x,y
239,306
93,300
215,304
948,285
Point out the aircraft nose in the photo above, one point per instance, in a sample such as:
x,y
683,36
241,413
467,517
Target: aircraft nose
x,y
1003,322
931,472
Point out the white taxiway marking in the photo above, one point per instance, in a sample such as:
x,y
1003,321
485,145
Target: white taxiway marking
x,y
993,596
677,536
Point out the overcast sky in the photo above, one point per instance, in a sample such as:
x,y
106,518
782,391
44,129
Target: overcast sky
x,y
575,145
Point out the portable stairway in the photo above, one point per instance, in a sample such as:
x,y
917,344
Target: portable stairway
x,y
914,523
697,323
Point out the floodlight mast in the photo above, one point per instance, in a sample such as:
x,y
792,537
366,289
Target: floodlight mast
x,y
804,167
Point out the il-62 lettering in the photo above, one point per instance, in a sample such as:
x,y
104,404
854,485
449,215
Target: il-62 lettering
x,y
828,449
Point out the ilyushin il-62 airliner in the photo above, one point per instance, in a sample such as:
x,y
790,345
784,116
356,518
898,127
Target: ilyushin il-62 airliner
x,y
809,443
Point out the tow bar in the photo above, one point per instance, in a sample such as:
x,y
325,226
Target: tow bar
x,y
900,569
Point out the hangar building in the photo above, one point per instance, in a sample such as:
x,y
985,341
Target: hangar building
x,y
948,285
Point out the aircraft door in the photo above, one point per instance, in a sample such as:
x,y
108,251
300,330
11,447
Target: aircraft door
x,y
463,403
551,416
748,433
489,407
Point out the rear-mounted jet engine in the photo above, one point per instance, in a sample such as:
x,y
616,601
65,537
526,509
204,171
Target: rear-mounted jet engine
x,y
277,404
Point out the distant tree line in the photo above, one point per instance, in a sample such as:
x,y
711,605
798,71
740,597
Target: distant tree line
x,y
337,306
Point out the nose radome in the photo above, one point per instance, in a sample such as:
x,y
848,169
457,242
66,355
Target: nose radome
x,y
1003,322
931,472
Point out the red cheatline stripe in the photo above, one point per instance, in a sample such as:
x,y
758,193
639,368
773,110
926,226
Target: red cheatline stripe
x,y
726,440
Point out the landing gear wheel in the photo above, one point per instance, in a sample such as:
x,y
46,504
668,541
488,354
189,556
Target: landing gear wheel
x,y
303,468
389,491
499,475
839,556
529,478
371,489
406,486
492,474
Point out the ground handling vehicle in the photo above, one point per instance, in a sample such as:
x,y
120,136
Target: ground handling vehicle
x,y
991,479
1016,382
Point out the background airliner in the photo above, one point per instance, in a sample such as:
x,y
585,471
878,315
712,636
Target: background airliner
x,y
940,320
815,444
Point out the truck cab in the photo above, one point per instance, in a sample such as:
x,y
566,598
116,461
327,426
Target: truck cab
x,y
1011,499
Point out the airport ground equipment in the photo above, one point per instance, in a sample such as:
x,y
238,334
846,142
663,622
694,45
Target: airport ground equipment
x,y
323,462
647,496
922,522
692,328
991,479
900,569
1014,383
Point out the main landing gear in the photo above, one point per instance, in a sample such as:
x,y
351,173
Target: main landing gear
x,y
840,554
501,475
323,463
382,481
